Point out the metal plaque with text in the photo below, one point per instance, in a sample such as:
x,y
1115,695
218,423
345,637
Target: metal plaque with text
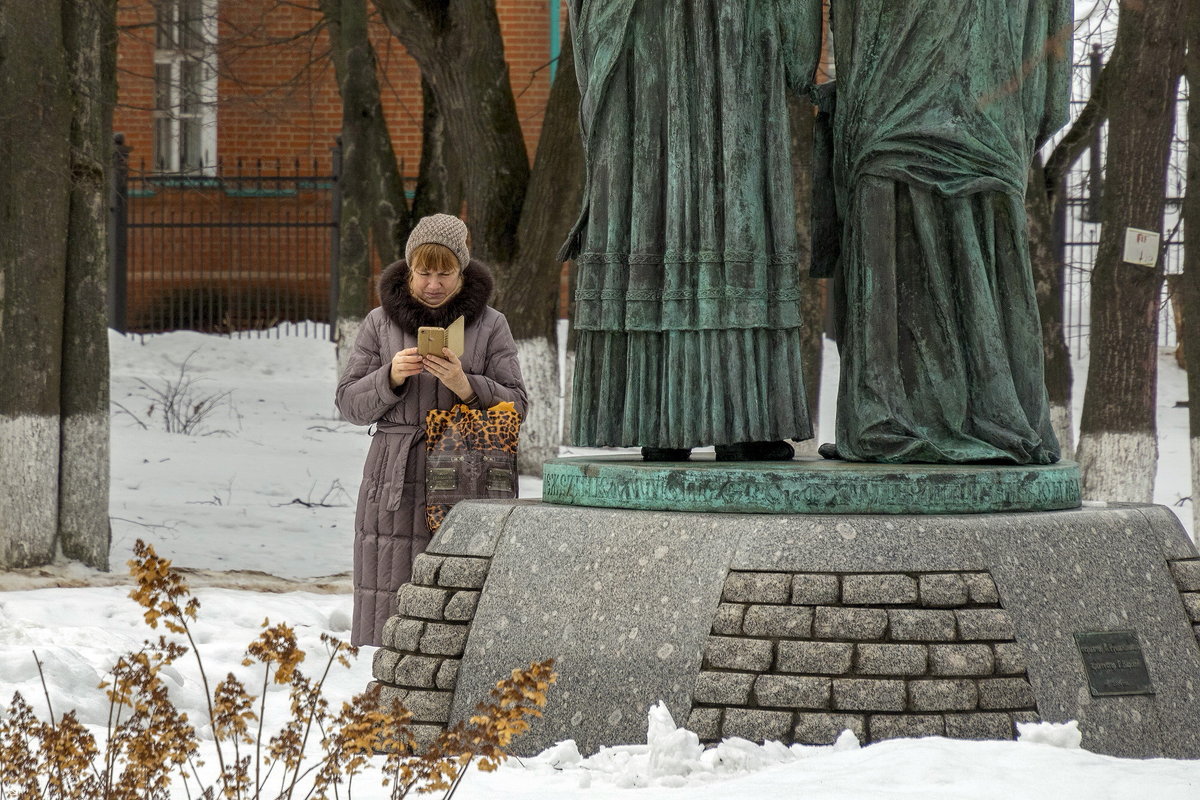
x,y
1114,663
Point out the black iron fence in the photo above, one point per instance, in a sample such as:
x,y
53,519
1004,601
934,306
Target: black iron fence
x,y
1079,221
236,249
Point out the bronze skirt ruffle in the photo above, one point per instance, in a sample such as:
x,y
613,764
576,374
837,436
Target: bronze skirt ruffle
x,y
688,388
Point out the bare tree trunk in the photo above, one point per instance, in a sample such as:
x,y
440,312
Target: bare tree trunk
x,y
372,193
1118,448
812,304
531,305
1189,336
1048,283
89,28
439,181
35,132
460,52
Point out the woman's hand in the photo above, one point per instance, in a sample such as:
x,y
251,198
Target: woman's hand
x,y
404,364
449,371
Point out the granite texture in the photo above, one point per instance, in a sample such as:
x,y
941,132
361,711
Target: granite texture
x,y
956,625
623,601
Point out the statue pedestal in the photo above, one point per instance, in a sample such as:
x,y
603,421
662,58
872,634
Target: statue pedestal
x,y
795,626
808,486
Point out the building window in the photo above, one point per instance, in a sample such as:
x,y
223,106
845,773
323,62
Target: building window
x,y
185,87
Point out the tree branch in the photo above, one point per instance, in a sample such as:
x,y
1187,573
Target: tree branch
x,y
1079,136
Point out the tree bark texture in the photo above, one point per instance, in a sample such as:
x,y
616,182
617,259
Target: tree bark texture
x,y
35,131
89,29
1189,336
1118,450
812,301
459,50
372,193
1048,283
551,203
439,179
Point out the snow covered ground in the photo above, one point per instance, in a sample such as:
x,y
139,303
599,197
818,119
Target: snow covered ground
x,y
259,507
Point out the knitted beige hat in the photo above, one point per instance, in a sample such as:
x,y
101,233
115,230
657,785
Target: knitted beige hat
x,y
444,229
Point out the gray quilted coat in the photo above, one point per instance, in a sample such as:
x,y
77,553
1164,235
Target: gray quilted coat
x,y
389,526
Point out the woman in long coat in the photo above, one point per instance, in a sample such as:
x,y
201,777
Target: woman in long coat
x,y
688,270
386,384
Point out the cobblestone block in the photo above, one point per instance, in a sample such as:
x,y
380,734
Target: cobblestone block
x,y
402,634
861,624
463,572
429,706
425,568
728,621
748,655
788,621
820,658
1006,693
444,640
1187,574
461,607
447,674
981,588
961,659
423,602
417,671
890,659
757,726
976,624
905,726
757,587
792,691
1191,602
1010,658
921,625
979,726
943,695
705,723
723,688
814,589
879,589
825,728
383,665
425,735
389,693
942,590
865,694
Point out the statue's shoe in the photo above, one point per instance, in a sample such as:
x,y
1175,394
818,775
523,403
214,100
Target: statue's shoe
x,y
755,451
666,453
829,450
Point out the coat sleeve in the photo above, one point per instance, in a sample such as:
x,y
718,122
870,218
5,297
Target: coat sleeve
x,y
364,393
501,376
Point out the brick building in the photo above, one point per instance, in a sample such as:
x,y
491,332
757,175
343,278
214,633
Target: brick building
x,y
208,81
230,110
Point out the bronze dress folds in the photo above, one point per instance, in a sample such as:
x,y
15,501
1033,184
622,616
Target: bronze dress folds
x,y
940,106
687,295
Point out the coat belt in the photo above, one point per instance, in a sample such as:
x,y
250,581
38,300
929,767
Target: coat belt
x,y
398,467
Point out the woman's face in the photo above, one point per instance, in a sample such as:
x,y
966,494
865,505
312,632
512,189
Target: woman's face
x,y
433,287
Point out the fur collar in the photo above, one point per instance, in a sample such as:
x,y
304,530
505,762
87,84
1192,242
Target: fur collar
x,y
408,313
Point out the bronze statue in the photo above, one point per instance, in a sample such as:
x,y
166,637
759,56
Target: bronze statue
x,y
688,275
940,106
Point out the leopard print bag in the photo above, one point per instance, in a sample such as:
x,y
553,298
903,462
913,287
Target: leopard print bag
x,y
470,454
